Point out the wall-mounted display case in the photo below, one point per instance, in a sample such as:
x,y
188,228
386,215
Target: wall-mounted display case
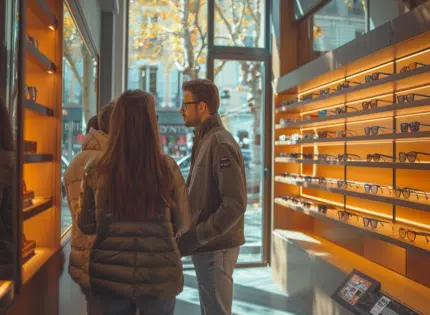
x,y
351,168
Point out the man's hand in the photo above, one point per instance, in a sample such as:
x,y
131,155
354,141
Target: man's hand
x,y
188,243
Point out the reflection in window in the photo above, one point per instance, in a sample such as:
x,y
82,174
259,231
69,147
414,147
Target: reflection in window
x,y
239,23
79,98
240,84
337,23
301,7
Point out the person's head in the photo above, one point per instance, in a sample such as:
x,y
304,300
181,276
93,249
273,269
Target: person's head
x,y
104,117
6,137
92,123
201,101
139,181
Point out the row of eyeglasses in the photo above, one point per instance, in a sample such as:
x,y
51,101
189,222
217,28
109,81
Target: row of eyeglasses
x,y
350,216
411,156
414,126
343,184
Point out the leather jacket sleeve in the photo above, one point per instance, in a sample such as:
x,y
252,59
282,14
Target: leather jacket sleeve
x,y
229,175
181,213
87,207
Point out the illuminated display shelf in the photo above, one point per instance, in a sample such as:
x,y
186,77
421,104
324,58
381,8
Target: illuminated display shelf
x,y
389,233
39,205
38,158
390,136
350,192
398,165
387,110
43,12
403,76
41,256
38,108
39,58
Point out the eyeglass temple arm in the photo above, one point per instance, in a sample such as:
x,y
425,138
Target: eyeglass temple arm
x,y
385,187
387,156
346,106
386,128
385,73
424,153
423,95
350,154
422,64
384,101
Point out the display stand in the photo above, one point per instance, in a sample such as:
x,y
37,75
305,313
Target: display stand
x,y
339,168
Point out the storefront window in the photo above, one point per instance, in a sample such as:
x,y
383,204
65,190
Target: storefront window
x,y
301,7
239,23
79,98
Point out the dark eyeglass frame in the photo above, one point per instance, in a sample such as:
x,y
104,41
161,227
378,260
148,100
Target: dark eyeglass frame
x,y
412,235
309,96
373,223
345,215
412,127
307,156
343,184
406,192
185,104
326,91
325,157
377,156
344,133
345,85
373,188
372,103
344,157
375,76
344,109
293,155
325,134
374,130
412,66
409,97
411,156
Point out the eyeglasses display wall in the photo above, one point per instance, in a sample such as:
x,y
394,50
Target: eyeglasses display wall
x,y
352,158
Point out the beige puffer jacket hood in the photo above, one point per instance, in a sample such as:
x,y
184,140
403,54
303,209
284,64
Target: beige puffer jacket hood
x,y
93,145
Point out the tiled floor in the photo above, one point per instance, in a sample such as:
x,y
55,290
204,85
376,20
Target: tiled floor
x,y
254,293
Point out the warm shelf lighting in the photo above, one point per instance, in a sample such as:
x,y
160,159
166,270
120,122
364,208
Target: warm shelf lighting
x,y
51,27
319,127
317,110
414,89
411,115
50,72
370,143
321,87
369,70
414,55
369,120
413,140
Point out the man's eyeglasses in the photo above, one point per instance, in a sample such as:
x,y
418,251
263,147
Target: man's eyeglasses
x,y
184,105
411,156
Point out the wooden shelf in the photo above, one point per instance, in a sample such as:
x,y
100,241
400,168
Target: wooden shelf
x,y
386,235
34,264
6,295
39,205
39,58
389,79
38,108
349,192
43,12
398,109
390,136
38,158
397,165
405,290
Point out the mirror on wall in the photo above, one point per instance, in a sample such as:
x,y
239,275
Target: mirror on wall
x,y
9,92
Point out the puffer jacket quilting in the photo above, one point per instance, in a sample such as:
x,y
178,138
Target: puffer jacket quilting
x,y
94,143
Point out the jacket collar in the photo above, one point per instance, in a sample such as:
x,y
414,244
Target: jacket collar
x,y
213,122
95,140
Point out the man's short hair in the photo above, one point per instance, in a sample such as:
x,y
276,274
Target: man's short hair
x,y
205,91
104,117
92,123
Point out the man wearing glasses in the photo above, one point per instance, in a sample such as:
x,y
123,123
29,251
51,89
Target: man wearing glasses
x,y
217,196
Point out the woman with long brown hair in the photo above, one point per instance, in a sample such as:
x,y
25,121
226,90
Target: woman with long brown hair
x,y
134,199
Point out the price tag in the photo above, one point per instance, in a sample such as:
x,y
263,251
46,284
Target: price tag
x,y
380,305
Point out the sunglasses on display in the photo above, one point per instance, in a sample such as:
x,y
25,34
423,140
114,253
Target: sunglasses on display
x,y
375,76
290,155
347,156
326,91
325,157
308,136
412,66
346,215
413,126
412,235
346,133
409,97
284,137
374,130
322,209
342,184
406,192
287,121
310,96
373,223
344,109
411,156
308,156
346,85
375,188
325,134
372,103
376,157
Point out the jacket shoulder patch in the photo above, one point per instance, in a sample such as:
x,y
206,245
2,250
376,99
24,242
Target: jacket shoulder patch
x,y
225,163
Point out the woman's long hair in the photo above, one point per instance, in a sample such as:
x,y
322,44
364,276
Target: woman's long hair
x,y
6,138
139,181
